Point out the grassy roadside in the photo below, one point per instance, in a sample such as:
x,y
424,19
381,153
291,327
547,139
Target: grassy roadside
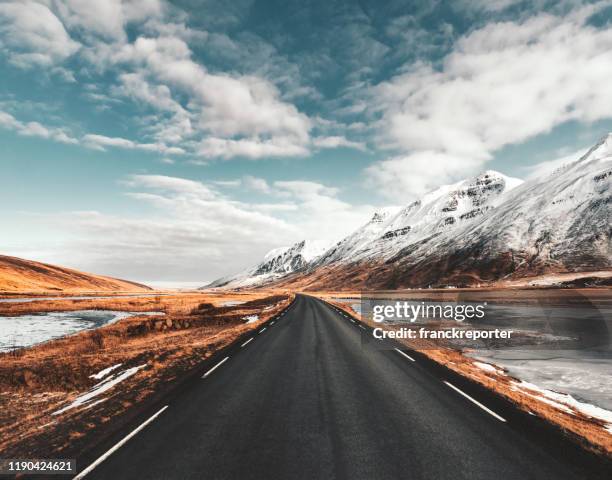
x,y
156,353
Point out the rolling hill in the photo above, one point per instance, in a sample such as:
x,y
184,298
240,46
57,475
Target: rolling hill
x,y
25,276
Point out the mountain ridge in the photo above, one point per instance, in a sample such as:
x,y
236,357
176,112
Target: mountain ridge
x,y
479,230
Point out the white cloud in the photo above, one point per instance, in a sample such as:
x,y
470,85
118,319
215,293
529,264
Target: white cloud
x,y
336,142
209,114
501,85
35,129
228,183
232,115
195,232
90,140
107,18
181,186
30,34
320,210
253,148
410,176
257,184
100,142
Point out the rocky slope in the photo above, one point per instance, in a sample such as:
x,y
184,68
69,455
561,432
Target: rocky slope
x,y
26,276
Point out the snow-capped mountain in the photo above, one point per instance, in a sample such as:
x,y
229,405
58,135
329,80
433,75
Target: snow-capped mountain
x,y
557,223
276,264
478,230
447,208
560,222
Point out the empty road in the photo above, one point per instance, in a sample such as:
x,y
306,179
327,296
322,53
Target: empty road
x,y
304,399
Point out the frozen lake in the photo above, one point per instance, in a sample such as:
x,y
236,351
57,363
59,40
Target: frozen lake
x,y
27,330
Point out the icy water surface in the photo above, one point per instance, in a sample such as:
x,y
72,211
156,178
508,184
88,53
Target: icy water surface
x,y
27,330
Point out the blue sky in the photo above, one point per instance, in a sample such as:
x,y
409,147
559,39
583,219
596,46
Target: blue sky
x,y
180,141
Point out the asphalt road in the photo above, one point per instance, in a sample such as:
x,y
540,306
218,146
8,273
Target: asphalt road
x,y
305,399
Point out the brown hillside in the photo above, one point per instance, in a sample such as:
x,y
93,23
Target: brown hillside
x,y
26,276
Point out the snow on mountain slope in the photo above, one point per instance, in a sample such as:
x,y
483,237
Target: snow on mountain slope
x,y
447,208
563,219
277,263
558,223
481,229
360,238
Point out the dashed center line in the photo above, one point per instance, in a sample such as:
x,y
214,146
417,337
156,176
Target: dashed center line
x,y
215,367
476,402
262,330
247,342
405,355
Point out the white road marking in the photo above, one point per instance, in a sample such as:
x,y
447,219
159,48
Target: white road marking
x,y
247,342
263,330
215,367
361,326
352,320
118,445
490,412
405,354
271,323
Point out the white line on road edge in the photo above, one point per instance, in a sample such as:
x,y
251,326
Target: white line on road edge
x,y
361,326
245,343
405,354
352,320
491,412
215,367
271,323
263,330
117,446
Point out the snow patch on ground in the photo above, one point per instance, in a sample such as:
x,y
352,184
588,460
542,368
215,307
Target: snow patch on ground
x,y
105,372
98,389
251,318
232,303
487,367
565,402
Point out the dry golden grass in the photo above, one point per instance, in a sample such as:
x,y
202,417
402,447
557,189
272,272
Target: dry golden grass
x,y
37,381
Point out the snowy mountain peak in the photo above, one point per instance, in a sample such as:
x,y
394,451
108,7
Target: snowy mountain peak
x,y
449,206
599,151
276,263
287,260
383,214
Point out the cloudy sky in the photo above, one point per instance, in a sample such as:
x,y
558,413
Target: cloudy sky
x,y
179,141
